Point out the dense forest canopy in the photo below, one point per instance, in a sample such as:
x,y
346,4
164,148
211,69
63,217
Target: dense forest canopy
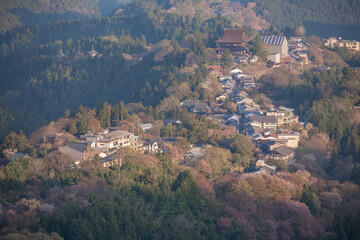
x,y
18,13
322,18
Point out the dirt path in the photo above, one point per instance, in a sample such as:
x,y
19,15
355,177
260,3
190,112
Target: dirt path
x,y
257,70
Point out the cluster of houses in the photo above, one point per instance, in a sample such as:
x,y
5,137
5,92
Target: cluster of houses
x,y
104,146
266,129
298,50
232,89
352,45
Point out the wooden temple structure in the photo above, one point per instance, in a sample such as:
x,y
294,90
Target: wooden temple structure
x,y
235,40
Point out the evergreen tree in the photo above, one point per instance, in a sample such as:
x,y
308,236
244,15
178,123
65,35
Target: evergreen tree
x,y
115,115
308,198
73,127
103,115
227,60
124,114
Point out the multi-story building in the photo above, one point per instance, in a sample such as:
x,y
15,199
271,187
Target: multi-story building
x,y
292,138
284,116
263,122
111,141
352,45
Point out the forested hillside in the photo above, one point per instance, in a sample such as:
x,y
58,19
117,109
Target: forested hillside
x,y
322,18
16,13
47,69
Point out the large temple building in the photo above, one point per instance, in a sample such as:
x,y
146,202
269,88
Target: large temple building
x,y
235,40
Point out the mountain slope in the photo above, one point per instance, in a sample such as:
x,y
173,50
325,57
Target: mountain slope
x,y
325,18
21,12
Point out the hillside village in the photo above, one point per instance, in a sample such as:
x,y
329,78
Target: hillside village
x,y
177,119
271,130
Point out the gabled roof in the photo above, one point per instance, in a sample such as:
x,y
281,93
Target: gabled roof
x,y
285,109
117,134
246,77
285,151
324,68
268,119
78,146
273,40
74,154
248,80
189,103
201,107
232,36
109,159
267,169
149,142
233,115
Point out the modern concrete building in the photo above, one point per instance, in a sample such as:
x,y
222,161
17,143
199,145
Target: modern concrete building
x,y
276,44
352,45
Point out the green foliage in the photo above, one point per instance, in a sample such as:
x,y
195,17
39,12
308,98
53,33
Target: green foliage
x,y
355,175
198,130
308,198
329,97
103,115
198,45
24,12
351,58
318,17
73,128
227,60
16,174
259,49
235,232
243,146
166,131
16,141
346,227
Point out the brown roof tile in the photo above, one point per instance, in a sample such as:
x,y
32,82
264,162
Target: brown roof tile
x,y
233,36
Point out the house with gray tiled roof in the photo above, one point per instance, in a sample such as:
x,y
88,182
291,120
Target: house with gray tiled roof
x,y
283,153
263,122
80,151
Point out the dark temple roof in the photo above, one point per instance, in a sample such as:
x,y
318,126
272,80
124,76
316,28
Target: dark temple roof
x,y
233,36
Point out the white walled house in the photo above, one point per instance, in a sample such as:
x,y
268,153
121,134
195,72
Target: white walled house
x,y
276,44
